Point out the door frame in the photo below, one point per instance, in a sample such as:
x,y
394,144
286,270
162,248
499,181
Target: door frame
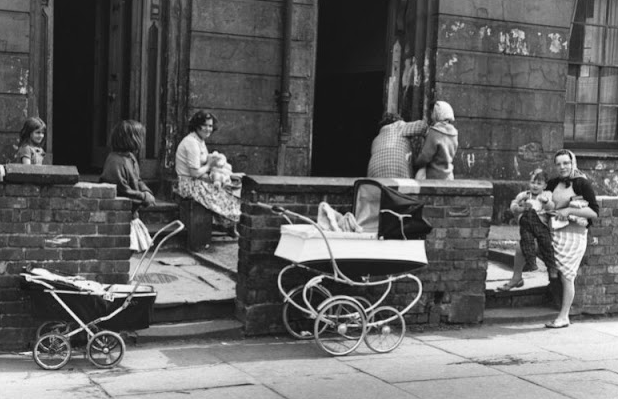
x,y
143,81
40,78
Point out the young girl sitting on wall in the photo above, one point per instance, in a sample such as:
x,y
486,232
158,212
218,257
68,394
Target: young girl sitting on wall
x,y
122,169
31,142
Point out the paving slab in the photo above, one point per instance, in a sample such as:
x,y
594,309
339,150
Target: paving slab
x,y
501,386
348,386
149,359
524,366
405,369
170,380
234,392
280,371
271,351
191,356
590,351
50,384
598,384
409,348
607,326
486,348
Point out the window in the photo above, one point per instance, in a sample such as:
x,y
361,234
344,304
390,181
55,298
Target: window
x,y
591,117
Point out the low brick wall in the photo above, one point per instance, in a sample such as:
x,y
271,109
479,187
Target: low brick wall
x,y
453,283
596,285
78,229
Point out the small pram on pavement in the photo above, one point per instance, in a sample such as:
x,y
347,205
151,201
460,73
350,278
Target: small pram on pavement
x,y
389,248
72,306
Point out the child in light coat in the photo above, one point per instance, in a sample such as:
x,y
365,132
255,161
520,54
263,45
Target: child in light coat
x,y
441,142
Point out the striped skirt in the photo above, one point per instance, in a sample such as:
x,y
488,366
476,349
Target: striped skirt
x,y
569,249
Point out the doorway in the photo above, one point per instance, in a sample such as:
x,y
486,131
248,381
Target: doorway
x,y
350,73
92,67
73,75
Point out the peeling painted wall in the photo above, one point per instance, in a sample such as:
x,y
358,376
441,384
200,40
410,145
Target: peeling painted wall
x,y
504,73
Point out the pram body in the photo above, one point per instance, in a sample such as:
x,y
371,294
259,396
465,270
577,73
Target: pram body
x,y
339,323
72,305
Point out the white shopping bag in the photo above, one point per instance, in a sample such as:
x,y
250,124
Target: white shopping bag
x,y
140,238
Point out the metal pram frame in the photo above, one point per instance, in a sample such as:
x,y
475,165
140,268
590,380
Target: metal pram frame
x,y
84,306
340,323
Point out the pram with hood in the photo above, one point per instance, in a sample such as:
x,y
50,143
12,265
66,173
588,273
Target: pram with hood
x,y
73,306
389,248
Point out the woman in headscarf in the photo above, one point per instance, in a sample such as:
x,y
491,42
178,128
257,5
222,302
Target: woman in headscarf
x,y
440,144
574,197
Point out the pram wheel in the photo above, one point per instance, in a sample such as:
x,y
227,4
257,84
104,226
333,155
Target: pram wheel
x,y
52,351
386,328
298,322
55,326
105,349
340,325
363,301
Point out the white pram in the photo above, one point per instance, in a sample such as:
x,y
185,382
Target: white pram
x,y
390,247
84,306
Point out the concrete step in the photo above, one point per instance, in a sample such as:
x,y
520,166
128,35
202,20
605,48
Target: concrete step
x,y
535,296
187,289
223,328
202,310
504,256
162,212
528,314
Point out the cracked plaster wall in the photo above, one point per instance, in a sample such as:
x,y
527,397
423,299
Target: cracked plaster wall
x,y
501,64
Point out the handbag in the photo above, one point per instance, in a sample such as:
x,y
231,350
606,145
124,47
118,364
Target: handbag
x,y
401,216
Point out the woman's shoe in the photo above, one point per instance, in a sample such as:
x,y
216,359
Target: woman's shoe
x,y
509,286
557,324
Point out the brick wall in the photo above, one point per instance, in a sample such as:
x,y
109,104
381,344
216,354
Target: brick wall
x,y
91,227
596,287
453,283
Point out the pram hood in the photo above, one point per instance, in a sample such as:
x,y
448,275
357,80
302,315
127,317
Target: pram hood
x,y
388,212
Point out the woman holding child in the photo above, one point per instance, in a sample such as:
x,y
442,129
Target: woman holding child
x,y
574,198
194,173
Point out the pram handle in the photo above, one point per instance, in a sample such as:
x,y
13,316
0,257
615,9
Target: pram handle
x,y
279,210
179,226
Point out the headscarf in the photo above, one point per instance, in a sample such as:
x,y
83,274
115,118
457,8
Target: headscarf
x,y
442,112
574,171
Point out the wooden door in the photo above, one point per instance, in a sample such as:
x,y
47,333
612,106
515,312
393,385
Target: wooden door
x,y
113,42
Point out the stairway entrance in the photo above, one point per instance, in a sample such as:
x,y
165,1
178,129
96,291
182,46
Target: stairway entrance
x,y
532,301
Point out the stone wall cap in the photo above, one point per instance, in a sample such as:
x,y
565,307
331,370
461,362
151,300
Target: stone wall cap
x,y
85,184
286,184
40,174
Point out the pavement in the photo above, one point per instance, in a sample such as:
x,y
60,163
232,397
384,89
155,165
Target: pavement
x,y
517,360
505,361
